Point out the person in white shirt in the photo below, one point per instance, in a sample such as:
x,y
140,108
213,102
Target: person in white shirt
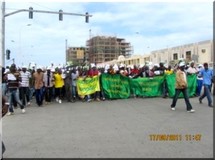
x,y
24,86
74,76
192,69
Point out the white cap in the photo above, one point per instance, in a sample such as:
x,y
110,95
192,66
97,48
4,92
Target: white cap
x,y
121,65
181,64
107,66
141,65
24,66
165,65
156,64
39,67
200,65
92,65
115,67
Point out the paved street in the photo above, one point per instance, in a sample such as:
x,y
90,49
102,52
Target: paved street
x,y
129,128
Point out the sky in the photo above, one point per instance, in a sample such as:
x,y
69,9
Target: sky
x,y
148,26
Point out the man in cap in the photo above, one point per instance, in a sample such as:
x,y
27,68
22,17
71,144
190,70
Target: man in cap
x,y
24,85
181,86
192,69
48,83
91,73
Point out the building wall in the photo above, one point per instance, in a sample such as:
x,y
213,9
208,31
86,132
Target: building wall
x,y
77,55
200,52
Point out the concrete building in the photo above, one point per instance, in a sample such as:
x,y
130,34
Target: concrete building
x,y
200,52
103,49
77,55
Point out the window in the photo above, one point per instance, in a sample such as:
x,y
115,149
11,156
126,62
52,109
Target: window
x,y
175,56
203,50
188,55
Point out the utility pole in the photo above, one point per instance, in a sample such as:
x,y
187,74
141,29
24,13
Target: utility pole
x,y
2,32
30,11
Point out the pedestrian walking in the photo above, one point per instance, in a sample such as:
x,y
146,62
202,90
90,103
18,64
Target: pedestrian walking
x,y
207,75
59,83
38,85
13,80
24,86
48,83
181,86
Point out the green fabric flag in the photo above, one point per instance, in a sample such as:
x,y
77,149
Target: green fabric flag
x,y
115,86
149,87
192,84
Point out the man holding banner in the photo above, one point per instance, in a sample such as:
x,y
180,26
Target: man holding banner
x,y
181,86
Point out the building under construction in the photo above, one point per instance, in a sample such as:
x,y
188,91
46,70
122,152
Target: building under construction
x,y
102,49
77,55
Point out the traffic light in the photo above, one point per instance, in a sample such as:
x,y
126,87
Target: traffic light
x,y
7,54
86,17
60,15
30,13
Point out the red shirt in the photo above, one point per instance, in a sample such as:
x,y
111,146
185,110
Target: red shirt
x,y
135,71
92,73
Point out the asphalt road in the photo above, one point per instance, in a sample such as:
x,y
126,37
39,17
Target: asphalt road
x,y
128,128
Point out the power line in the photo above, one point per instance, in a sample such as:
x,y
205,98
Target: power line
x,y
43,6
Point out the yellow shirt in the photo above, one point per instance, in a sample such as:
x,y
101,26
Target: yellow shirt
x,y
59,82
169,72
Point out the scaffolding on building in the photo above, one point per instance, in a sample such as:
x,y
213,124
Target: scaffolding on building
x,y
102,48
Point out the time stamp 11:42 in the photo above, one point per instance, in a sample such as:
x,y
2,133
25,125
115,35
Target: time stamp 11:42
x,y
175,137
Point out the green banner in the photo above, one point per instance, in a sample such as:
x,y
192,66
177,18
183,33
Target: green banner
x,y
149,87
88,86
115,86
192,84
120,87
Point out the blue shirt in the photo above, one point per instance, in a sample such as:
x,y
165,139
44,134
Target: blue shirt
x,y
207,76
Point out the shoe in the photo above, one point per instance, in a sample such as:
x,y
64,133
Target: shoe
x,y
191,111
89,100
173,108
200,101
10,113
210,105
29,104
60,101
57,99
97,99
165,96
103,99
23,110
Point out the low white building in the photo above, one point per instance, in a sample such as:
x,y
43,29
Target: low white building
x,y
199,52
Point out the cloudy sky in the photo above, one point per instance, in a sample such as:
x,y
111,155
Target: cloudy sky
x,y
146,25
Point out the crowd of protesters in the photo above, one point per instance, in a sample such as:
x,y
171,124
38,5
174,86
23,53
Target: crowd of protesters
x,y
49,84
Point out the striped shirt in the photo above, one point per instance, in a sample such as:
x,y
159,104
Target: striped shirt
x,y
13,80
25,76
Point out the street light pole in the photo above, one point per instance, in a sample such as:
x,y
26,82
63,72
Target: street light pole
x,y
2,24
2,30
